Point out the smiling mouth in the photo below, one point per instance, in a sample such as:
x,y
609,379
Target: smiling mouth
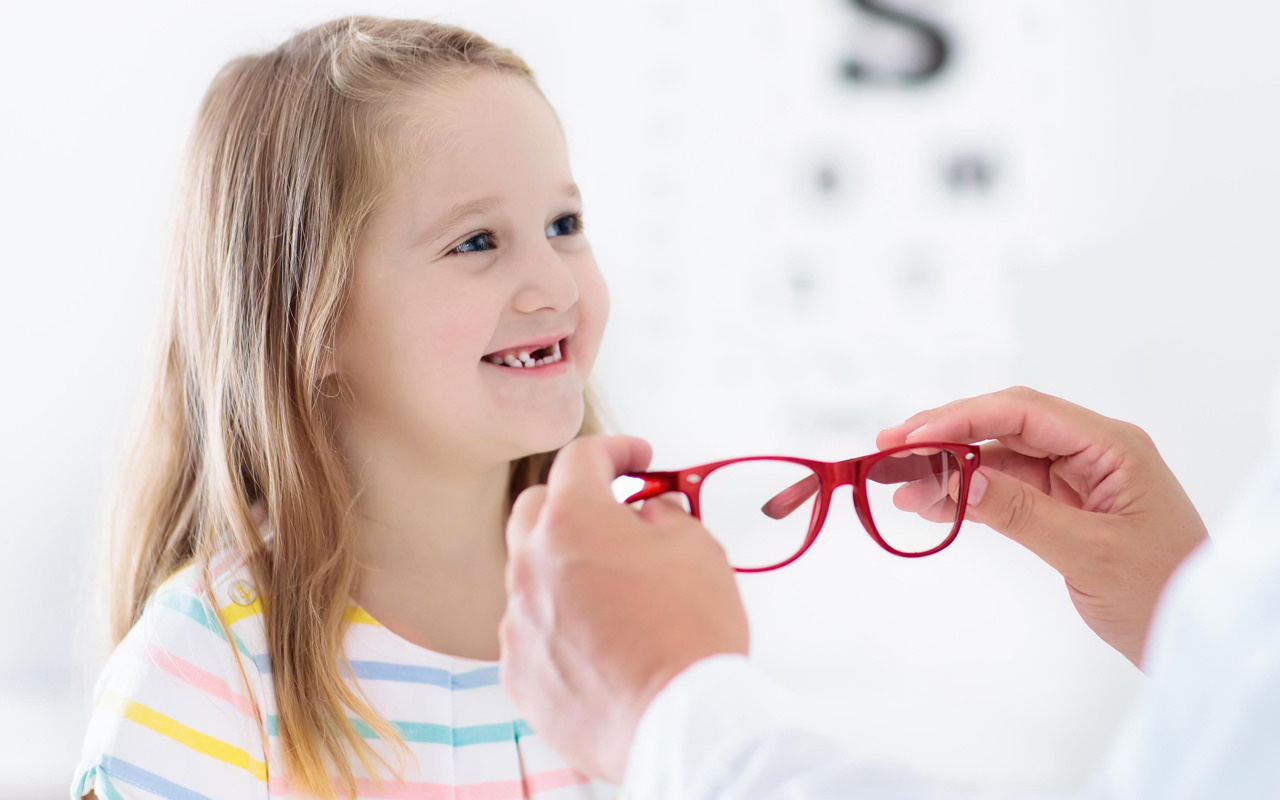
x,y
527,358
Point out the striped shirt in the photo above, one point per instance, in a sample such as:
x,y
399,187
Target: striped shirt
x,y
174,718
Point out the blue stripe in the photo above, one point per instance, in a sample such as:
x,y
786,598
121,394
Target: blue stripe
x,y
403,673
147,781
431,733
475,679
192,608
433,676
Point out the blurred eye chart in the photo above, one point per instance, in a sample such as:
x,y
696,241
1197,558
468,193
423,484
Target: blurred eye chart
x,y
815,218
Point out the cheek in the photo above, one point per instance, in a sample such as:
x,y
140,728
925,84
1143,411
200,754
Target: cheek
x,y
593,301
407,342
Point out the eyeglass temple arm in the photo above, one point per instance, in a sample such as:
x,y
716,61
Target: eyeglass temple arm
x,y
791,498
655,483
888,470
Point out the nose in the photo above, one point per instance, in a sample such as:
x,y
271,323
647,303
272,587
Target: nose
x,y
546,280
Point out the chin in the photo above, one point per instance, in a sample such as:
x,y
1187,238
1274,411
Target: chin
x,y
543,435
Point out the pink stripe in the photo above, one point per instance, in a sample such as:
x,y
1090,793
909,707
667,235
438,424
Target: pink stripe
x,y
546,781
199,678
497,790
493,790
217,569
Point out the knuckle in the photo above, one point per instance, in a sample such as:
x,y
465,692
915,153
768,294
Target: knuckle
x,y
1139,435
520,576
1022,392
531,497
1018,512
557,520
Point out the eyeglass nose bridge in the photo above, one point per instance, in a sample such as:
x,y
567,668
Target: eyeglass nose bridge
x,y
850,473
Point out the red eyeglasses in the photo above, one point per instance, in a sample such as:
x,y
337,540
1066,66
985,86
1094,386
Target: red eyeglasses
x,y
766,510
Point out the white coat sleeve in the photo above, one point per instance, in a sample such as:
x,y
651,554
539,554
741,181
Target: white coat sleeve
x,y
723,729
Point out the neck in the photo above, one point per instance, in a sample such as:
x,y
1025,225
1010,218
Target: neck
x,y
418,519
431,542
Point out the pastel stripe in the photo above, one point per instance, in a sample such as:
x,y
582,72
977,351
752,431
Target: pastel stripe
x,y
201,679
411,731
193,609
371,670
434,676
234,612
183,734
477,678
431,733
359,615
557,779
143,779
491,790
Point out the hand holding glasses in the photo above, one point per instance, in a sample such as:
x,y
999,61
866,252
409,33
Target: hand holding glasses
x,y
766,510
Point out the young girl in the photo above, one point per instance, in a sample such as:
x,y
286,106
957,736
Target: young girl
x,y
381,324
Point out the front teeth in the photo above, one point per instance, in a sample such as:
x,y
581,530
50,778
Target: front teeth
x,y
523,359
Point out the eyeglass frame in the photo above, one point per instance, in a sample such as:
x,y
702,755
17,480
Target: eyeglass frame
x,y
831,475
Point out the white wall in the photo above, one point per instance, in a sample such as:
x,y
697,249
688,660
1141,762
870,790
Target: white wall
x,y
1122,256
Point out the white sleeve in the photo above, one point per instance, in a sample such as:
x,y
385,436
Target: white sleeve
x,y
723,729
1209,726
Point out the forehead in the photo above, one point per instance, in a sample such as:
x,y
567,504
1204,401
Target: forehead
x,y
483,134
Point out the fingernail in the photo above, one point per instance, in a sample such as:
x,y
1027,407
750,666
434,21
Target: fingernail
x,y
977,488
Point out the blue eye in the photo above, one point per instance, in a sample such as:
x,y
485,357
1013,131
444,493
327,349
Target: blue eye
x,y
471,245
484,240
574,225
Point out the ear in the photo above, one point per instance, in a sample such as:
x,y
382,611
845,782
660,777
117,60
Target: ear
x,y
327,381
328,362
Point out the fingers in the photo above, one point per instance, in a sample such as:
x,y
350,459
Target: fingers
x,y
524,514
663,508
1027,421
1043,525
587,466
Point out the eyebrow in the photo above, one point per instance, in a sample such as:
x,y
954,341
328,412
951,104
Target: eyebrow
x,y
470,209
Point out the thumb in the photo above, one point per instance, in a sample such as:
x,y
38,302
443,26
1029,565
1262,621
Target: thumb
x,y
662,509
1028,516
524,515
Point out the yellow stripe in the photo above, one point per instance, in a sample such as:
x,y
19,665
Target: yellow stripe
x,y
234,612
358,614
168,726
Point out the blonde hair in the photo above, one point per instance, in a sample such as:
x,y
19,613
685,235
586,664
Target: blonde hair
x,y
289,154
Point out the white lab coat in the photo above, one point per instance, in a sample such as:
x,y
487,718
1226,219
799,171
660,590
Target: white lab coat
x,y
1207,727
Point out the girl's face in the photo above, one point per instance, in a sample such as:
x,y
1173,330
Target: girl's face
x,y
477,308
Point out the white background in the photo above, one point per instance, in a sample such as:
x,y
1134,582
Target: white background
x,y
1122,255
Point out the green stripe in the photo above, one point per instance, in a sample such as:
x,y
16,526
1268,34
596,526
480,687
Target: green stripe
x,y
192,608
431,733
102,785
109,791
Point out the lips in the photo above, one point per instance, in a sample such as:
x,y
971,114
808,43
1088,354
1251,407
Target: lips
x,y
538,353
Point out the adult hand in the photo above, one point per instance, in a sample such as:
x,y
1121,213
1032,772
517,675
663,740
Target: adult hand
x,y
606,604
1088,494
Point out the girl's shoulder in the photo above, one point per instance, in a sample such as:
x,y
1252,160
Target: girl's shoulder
x,y
223,609
183,699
